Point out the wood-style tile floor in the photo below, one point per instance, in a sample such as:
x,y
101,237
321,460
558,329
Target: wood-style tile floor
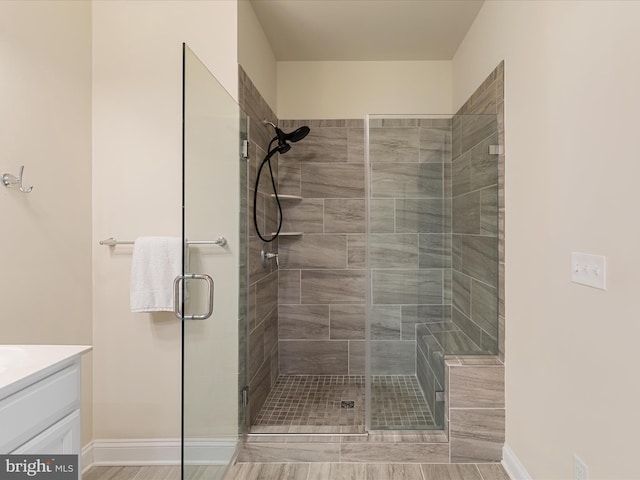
x,y
171,472
308,471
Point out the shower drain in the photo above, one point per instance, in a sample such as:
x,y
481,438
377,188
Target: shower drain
x,y
347,403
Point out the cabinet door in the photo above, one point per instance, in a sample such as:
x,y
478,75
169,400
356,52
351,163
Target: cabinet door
x,y
63,437
32,410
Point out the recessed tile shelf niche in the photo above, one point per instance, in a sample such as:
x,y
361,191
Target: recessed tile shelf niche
x,y
288,197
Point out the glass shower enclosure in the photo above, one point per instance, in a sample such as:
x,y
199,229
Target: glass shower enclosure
x,y
214,242
432,259
394,267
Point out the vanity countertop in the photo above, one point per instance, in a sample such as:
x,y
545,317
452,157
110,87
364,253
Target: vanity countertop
x,y
19,363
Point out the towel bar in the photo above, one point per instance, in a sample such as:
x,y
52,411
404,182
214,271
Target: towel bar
x,y
112,242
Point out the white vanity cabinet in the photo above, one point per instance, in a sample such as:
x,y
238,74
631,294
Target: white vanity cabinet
x,y
40,412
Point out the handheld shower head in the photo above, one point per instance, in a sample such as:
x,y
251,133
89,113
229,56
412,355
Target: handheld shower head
x,y
292,137
282,147
297,134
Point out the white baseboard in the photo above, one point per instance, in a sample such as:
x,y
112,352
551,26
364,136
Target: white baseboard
x,y
512,465
86,458
156,452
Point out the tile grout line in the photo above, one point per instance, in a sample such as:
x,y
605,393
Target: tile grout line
x,y
424,476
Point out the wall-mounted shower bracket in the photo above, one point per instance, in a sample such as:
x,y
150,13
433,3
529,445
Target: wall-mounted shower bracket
x,y
10,181
266,256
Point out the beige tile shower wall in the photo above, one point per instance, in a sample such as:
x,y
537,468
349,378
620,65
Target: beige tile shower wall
x,y
475,413
322,276
263,279
322,273
409,244
477,183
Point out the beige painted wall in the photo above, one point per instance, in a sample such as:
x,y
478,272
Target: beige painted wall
x,y
572,170
137,58
45,125
317,90
255,54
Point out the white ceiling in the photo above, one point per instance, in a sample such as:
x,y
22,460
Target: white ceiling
x,y
321,30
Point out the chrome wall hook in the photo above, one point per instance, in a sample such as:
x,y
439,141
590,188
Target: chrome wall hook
x,y
12,181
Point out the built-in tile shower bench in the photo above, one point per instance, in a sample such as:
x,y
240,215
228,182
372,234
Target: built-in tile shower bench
x,y
473,432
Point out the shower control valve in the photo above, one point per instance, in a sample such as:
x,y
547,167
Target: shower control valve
x,y
265,256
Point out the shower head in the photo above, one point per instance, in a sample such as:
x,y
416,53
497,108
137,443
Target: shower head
x,y
297,134
292,137
283,147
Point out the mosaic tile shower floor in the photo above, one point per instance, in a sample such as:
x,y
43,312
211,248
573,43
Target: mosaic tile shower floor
x,y
318,401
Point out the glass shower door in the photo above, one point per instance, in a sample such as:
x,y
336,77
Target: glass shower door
x,y
214,272
432,259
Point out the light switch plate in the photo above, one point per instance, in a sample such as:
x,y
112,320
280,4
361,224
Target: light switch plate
x,y
580,469
589,270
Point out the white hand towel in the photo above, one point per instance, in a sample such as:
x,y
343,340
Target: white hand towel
x,y
156,262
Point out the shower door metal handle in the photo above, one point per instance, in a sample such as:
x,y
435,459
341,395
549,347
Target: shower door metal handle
x,y
177,304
